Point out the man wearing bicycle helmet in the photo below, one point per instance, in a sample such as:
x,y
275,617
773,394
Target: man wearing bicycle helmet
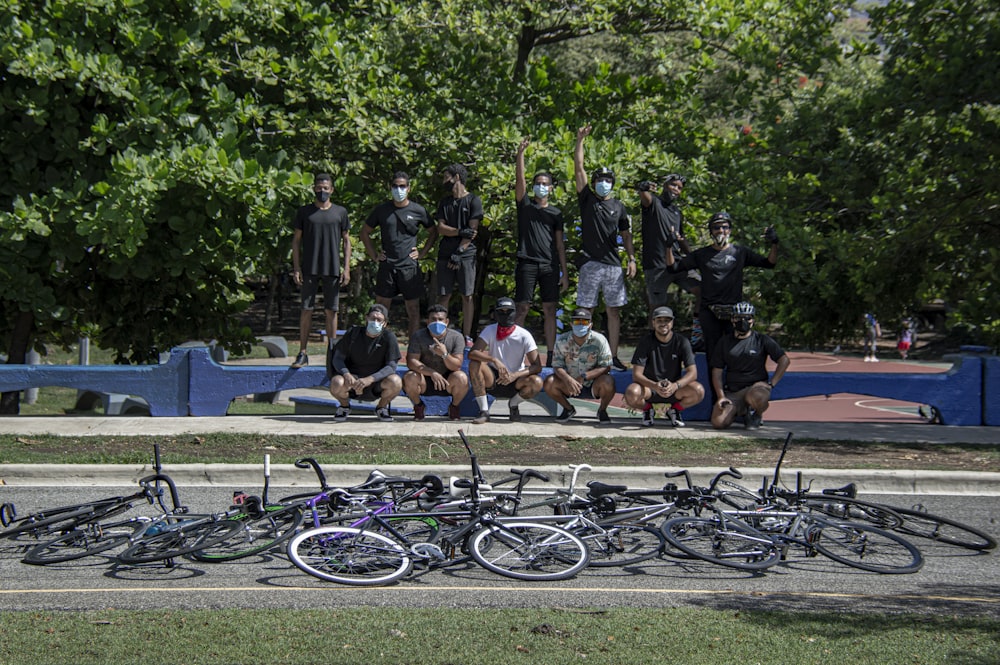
x,y
738,366
721,266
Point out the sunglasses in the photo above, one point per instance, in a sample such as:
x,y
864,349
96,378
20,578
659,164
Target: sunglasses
x,y
721,227
581,322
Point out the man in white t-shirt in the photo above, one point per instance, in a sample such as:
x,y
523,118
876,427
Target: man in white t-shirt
x,y
504,363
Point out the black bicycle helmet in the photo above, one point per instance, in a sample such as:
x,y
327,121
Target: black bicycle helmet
x,y
603,172
720,217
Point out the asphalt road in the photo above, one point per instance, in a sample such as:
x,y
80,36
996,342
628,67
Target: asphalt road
x,y
952,581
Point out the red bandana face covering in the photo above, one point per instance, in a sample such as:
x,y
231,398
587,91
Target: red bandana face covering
x,y
504,331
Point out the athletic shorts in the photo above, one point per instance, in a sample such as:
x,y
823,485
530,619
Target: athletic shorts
x,y
464,275
531,273
655,398
331,291
596,277
739,399
498,390
405,279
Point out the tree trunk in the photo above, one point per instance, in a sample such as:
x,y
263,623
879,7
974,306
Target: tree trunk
x,y
20,342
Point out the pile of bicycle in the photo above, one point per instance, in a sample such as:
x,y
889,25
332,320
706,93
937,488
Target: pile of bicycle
x,y
376,532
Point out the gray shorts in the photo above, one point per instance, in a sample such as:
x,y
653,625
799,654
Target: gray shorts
x,y
596,277
464,275
331,291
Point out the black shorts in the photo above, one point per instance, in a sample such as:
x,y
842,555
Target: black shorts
x,y
405,279
370,394
656,399
530,273
331,291
498,390
464,275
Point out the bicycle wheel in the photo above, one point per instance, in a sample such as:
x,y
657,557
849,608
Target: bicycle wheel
x,y
255,535
865,547
529,551
731,545
88,540
46,524
944,530
349,555
179,540
621,544
852,510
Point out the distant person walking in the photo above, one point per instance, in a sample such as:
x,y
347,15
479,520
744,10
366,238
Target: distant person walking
x,y
906,339
872,331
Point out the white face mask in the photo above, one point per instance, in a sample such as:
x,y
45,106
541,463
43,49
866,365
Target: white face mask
x,y
540,191
603,188
399,194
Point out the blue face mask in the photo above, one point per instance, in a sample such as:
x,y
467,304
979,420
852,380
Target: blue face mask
x,y
399,194
603,188
540,191
437,328
581,330
375,327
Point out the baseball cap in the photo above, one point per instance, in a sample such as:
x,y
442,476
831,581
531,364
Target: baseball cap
x,y
661,312
504,303
582,314
380,309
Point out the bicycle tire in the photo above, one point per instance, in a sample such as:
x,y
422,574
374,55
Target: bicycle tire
x,y
851,510
89,540
63,521
256,535
530,551
178,541
865,547
944,530
734,547
348,555
621,544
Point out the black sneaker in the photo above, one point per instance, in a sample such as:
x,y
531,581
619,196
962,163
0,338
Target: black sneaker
x,y
603,418
675,417
647,415
482,418
752,420
301,360
515,414
618,364
382,414
566,415
342,413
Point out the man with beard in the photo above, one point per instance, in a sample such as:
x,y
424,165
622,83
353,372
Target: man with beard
x,y
739,371
504,362
663,226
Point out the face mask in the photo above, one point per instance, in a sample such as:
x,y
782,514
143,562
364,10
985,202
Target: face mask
x,y
448,185
581,330
721,238
437,328
375,328
603,188
742,325
505,317
399,194
322,196
540,191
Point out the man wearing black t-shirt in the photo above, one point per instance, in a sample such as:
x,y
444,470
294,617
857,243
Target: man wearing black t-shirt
x,y
399,222
721,266
364,366
663,372
321,231
458,217
603,219
662,226
739,371
541,250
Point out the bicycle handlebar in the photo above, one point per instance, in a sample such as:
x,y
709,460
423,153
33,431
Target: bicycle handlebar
x,y
309,462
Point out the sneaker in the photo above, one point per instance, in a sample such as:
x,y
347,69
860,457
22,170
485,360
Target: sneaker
x,y
675,417
647,415
454,412
419,411
301,360
383,414
482,418
515,414
618,364
603,418
469,342
566,415
752,420
342,414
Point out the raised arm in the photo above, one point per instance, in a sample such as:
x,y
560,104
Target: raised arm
x,y
579,169
520,182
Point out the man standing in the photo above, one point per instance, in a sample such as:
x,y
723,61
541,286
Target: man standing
x,y
504,362
664,372
321,230
721,266
435,358
739,371
458,217
663,226
364,365
541,249
399,222
603,219
581,368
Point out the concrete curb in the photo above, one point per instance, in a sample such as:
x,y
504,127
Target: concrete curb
x,y
250,476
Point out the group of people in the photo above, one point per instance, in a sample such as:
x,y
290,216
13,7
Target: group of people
x,y
503,359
